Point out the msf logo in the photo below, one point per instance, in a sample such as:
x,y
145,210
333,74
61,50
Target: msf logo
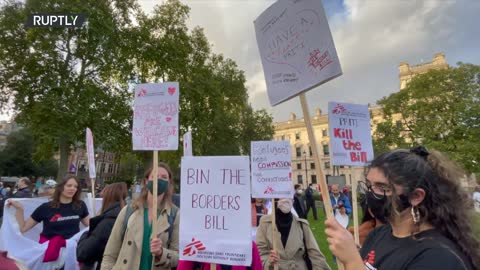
x,y
55,20
193,248
269,190
339,109
142,93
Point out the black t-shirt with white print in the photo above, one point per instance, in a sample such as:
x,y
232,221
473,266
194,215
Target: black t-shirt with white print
x,y
428,250
63,221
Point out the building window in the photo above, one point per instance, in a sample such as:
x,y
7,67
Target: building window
x,y
283,137
299,151
300,179
312,166
324,132
314,179
310,150
102,167
297,136
341,166
327,165
299,166
326,151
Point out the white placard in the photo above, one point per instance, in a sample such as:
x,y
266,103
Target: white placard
x,y
155,116
215,209
296,48
90,154
271,169
350,134
187,144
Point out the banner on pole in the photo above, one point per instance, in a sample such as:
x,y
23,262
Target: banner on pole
x,y
187,144
271,169
350,134
215,205
90,155
155,116
296,48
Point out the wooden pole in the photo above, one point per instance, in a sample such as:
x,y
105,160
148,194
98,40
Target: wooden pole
x,y
274,230
318,164
92,181
213,266
155,194
355,207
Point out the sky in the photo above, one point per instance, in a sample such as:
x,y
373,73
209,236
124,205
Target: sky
x,y
371,36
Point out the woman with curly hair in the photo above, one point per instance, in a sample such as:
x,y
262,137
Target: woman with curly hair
x,y
427,211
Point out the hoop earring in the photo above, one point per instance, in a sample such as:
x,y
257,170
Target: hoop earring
x,y
415,215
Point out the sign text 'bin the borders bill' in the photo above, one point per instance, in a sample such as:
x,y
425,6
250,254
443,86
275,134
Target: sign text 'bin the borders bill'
x,y
296,48
215,207
271,169
350,134
155,116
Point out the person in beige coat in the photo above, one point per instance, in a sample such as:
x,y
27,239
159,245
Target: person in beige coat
x,y
292,237
130,246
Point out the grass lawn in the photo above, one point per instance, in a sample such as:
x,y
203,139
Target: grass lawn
x,y
318,229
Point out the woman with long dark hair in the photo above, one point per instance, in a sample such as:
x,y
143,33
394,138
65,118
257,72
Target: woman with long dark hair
x,y
92,243
131,245
61,216
427,210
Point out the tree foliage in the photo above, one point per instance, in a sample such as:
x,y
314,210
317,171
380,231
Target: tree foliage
x,y
64,80
439,109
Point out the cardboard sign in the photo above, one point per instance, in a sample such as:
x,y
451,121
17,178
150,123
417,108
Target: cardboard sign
x,y
296,48
271,169
187,144
90,154
350,134
215,209
155,116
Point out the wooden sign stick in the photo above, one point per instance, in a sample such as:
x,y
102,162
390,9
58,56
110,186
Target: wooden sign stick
x,y
318,165
274,230
155,193
355,207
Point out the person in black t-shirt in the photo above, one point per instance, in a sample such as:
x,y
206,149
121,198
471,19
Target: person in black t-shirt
x,y
61,216
419,194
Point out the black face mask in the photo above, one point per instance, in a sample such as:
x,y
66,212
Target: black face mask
x,y
381,208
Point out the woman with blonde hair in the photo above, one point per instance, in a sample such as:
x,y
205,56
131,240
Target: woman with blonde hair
x,y
131,245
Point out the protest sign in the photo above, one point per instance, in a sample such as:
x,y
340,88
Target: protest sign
x,y
155,116
296,48
271,169
215,206
350,134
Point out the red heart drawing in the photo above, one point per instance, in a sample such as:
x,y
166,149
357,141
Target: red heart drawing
x,y
168,119
171,90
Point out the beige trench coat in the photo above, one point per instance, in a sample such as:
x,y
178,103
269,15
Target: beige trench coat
x,y
125,254
291,256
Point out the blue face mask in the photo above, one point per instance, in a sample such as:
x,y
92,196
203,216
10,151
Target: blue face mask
x,y
162,186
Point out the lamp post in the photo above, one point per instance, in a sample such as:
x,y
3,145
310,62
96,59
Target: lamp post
x,y
306,172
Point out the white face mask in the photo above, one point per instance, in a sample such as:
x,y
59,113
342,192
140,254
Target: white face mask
x,y
285,205
299,191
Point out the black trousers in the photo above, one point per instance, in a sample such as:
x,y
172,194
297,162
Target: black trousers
x,y
311,204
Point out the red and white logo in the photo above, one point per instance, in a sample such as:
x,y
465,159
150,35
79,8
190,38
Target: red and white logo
x,y
55,217
142,93
370,257
192,248
339,109
269,190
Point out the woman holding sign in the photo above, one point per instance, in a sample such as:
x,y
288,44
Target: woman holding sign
x,y
427,210
131,245
297,248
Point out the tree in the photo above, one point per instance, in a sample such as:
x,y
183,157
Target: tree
x,y
62,80
16,159
439,109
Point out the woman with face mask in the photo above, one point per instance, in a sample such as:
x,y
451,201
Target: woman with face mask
x,y
429,226
294,241
131,245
